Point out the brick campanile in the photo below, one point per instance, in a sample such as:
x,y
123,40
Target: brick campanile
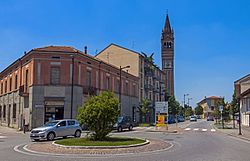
x,y
167,56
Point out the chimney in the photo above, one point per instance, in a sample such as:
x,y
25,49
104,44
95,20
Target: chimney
x,y
85,49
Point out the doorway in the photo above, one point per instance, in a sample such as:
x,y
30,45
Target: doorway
x,y
53,113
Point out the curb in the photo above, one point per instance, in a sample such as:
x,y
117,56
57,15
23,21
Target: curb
x,y
101,147
230,134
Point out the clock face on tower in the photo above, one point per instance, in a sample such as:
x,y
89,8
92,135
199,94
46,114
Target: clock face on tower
x,y
168,64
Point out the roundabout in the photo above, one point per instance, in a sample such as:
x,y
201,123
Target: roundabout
x,y
51,149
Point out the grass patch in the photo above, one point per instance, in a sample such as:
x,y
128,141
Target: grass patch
x,y
144,125
109,141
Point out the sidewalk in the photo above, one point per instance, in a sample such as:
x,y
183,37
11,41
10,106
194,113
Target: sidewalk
x,y
235,132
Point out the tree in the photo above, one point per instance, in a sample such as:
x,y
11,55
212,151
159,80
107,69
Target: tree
x,y
198,110
234,108
188,111
144,109
173,106
99,113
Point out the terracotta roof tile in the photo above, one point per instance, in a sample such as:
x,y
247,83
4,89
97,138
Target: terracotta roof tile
x,y
57,49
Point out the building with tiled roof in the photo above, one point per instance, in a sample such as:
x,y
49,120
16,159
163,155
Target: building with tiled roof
x,y
52,82
209,104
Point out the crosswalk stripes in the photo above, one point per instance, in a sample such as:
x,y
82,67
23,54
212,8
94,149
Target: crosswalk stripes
x,y
198,129
2,137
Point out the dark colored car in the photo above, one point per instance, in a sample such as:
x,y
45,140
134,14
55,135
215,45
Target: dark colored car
x,y
180,118
210,118
171,119
124,122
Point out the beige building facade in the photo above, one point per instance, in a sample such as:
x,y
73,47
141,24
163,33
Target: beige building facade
x,y
151,78
242,90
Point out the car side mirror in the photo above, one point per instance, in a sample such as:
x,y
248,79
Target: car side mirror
x,y
58,126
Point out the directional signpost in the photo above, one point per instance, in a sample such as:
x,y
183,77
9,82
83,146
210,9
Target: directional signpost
x,y
221,110
161,113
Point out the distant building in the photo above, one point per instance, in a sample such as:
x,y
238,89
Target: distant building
x,y
209,104
242,90
167,56
37,87
151,78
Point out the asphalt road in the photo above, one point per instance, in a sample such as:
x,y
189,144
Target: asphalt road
x,y
198,142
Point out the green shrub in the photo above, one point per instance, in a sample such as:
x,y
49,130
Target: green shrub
x,y
99,113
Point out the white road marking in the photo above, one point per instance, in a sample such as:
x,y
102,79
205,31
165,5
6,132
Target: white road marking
x,y
213,130
204,130
187,129
196,129
2,137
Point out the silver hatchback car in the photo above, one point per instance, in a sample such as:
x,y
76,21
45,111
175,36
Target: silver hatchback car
x,y
56,128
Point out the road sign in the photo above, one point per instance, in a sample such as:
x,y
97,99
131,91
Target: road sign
x,y
221,108
161,113
161,107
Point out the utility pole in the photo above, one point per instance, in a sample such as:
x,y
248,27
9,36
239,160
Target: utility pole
x,y
184,103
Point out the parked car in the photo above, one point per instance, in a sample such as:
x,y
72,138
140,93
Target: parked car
x,y
124,122
171,119
210,118
180,118
193,118
56,128
198,116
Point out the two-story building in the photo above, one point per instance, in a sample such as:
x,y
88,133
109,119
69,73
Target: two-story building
x,y
242,91
52,82
209,104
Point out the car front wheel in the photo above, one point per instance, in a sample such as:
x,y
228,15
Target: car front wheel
x,y
78,133
130,128
119,129
50,136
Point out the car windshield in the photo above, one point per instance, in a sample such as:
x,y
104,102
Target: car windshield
x,y
120,119
51,123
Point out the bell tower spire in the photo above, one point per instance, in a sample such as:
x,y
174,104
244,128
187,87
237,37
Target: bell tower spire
x,y
167,55
167,27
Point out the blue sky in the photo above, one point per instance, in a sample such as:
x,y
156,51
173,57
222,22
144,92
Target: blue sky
x,y
212,38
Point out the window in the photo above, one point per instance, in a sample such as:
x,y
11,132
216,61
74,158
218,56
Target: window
x,y
1,88
4,112
55,75
5,87
14,111
117,85
70,123
16,77
63,123
134,90
88,81
26,80
10,87
126,88
0,112
108,83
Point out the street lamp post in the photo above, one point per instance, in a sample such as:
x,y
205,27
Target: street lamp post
x,y
239,116
189,100
120,87
184,102
72,86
